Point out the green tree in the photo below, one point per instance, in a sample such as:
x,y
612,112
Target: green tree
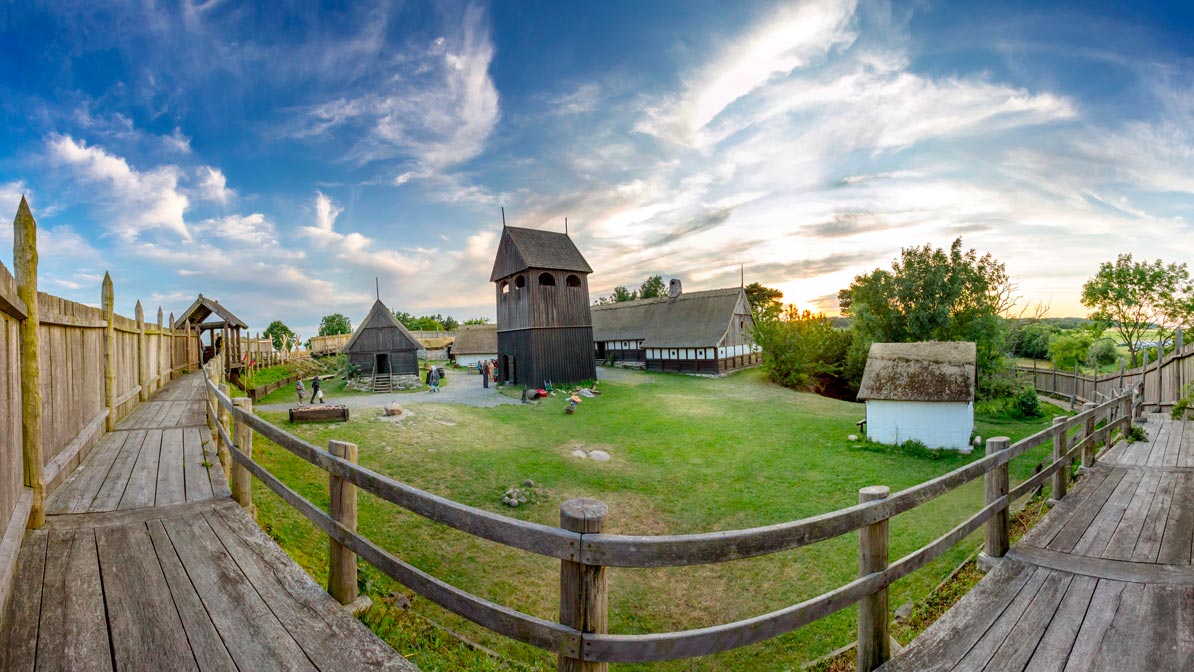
x,y
477,320
652,288
280,334
333,324
1031,340
933,294
763,300
450,323
621,294
1070,349
405,318
803,351
1134,296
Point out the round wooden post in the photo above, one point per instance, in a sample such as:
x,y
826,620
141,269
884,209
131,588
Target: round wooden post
x,y
874,643
24,252
342,562
584,589
1088,428
1061,476
225,419
242,480
995,544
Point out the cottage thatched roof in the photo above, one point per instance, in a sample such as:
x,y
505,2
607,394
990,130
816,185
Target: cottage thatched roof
x,y
475,339
928,371
691,320
380,331
520,249
203,307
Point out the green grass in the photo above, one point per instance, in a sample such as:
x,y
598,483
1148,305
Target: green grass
x,y
267,375
689,455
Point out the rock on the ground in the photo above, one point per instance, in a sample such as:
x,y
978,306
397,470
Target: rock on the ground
x,y
978,440
528,483
393,408
852,437
903,611
579,454
599,455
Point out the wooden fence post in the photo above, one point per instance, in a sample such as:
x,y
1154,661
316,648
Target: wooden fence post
x,y
143,395
874,643
158,383
107,302
1054,377
170,343
225,419
1059,447
584,589
1088,428
24,252
342,562
996,543
242,480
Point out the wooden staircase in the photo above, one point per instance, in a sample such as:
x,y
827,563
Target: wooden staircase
x,y
382,383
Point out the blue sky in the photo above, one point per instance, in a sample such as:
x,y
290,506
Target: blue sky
x,y
280,159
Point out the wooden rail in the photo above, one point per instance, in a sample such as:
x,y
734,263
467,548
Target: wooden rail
x,y
584,551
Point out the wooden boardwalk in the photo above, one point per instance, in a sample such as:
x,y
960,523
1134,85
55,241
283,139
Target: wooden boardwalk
x,y
1104,582
146,563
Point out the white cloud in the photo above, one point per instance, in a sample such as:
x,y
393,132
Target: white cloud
x,y
177,142
437,111
144,200
788,41
253,229
213,186
355,248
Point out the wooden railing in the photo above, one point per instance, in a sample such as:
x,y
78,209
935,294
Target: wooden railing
x,y
580,638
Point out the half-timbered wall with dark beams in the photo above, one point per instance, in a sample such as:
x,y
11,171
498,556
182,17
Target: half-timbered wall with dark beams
x,y
544,328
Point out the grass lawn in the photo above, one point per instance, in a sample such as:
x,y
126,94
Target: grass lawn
x,y
688,455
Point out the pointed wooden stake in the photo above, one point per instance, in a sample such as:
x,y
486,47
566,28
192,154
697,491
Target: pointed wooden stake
x,y
24,253
142,374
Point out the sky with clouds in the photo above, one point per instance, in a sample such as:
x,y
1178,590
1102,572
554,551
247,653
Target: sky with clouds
x,y
280,158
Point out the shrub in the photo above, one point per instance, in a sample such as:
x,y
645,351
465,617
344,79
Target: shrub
x,y
805,352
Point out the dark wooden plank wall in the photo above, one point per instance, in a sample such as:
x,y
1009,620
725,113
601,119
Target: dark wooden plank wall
x,y
538,305
401,362
563,355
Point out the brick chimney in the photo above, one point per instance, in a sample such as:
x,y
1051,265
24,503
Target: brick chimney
x,y
673,288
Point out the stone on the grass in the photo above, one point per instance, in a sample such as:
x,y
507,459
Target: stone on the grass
x,y
599,455
852,437
393,408
528,483
903,611
978,440
580,454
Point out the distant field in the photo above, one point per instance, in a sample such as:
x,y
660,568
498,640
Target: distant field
x,y
689,455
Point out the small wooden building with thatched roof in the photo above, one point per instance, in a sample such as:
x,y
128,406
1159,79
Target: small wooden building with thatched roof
x,y
474,343
709,332
382,347
920,391
544,328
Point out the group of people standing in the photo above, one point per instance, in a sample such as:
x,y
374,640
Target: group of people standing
x,y
488,370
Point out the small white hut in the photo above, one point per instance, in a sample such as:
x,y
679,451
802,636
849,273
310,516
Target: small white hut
x,y
474,343
921,391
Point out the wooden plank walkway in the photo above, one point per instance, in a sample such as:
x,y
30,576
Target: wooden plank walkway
x,y
146,563
1104,582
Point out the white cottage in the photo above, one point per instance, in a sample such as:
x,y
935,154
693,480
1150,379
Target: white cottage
x,y
474,343
921,391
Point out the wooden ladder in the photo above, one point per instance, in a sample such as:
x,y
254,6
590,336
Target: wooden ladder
x,y
382,383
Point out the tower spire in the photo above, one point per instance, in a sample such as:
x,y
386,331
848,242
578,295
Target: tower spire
x,y
565,226
377,287
503,216
742,276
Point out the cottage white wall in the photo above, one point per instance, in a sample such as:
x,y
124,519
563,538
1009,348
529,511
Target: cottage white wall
x,y
935,424
472,359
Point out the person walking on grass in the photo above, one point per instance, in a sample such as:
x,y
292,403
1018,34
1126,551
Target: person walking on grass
x,y
314,388
485,374
433,379
299,390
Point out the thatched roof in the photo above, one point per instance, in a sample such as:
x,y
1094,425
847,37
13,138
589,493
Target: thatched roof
x,y
380,331
929,371
520,249
475,339
691,320
203,307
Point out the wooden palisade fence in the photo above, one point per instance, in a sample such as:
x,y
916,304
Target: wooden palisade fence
x,y
1162,381
580,638
68,372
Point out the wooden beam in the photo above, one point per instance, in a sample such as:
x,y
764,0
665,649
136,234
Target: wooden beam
x,y
242,481
25,263
107,303
874,642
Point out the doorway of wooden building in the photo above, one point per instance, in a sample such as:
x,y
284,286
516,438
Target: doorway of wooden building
x,y
381,364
